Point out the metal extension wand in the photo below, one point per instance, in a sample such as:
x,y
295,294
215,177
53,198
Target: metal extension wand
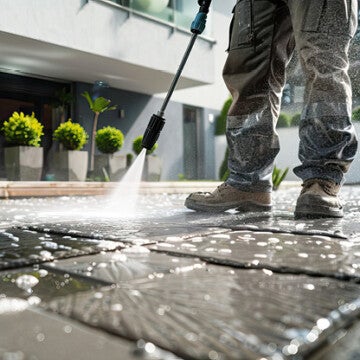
x,y
157,121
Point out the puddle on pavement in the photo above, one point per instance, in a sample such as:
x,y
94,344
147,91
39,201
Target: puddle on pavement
x,y
316,254
26,247
232,314
131,263
39,284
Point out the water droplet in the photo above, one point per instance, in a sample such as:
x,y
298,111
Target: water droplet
x,y
67,329
323,323
116,307
43,272
303,255
40,337
26,282
309,286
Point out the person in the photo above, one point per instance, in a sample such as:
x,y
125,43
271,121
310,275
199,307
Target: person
x,y
263,37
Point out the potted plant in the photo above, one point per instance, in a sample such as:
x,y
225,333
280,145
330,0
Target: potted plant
x,y
97,106
152,167
71,163
24,157
109,140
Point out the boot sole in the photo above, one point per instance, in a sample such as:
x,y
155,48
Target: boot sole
x,y
316,212
244,207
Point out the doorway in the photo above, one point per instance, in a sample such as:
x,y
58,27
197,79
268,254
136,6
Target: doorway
x,y
193,156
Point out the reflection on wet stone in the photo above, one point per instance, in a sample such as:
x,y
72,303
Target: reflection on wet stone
x,y
235,314
315,255
25,247
35,284
126,265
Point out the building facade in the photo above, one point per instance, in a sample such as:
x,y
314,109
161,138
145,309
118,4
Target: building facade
x,y
134,48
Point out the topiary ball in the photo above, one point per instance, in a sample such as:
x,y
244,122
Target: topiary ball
x,y
72,135
109,140
356,114
23,130
137,147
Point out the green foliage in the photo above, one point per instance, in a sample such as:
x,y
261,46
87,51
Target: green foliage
x,y
295,120
63,98
220,127
23,130
99,105
72,135
137,146
356,114
224,171
109,139
283,121
278,176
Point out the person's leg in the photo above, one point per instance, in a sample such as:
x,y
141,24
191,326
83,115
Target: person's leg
x,y
261,45
323,30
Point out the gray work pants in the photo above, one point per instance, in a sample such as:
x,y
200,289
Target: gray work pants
x,y
263,36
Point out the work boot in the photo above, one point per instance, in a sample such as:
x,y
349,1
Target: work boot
x,y
319,198
226,197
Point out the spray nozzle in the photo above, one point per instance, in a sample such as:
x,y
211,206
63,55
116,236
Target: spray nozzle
x,y
152,131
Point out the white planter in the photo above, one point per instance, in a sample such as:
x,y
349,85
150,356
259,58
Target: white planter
x,y
114,164
70,165
152,168
24,163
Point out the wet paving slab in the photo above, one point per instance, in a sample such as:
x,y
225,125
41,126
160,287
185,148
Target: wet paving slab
x,y
221,313
36,284
48,336
315,255
203,286
21,247
131,263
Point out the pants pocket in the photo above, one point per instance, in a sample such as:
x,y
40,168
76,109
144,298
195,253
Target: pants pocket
x,y
328,16
242,25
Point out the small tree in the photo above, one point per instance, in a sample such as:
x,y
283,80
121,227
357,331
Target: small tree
x,y
63,99
97,106
356,114
137,146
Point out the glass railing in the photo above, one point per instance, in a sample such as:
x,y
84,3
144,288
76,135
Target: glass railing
x,y
180,13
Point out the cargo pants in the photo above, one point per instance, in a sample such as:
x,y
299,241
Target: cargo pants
x,y
263,37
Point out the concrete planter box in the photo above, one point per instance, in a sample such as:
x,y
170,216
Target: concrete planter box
x,y
24,163
152,168
70,165
114,164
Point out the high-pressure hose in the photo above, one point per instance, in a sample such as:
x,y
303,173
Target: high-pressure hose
x,y
157,121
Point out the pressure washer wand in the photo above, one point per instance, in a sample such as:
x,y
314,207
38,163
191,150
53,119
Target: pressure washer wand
x,y
157,121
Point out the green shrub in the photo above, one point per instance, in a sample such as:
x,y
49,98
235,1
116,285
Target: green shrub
x,y
137,146
220,127
295,120
283,121
109,139
72,135
23,130
356,114
278,176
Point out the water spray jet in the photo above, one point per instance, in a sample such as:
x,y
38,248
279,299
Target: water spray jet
x,y
157,121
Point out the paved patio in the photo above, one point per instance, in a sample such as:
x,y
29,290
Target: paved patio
x,y
174,284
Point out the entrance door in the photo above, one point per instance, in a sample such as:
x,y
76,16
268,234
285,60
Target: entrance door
x,y
27,95
193,164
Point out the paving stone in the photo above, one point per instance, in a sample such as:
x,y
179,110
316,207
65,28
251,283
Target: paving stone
x,y
47,336
139,232
132,263
20,247
40,284
221,313
344,344
311,254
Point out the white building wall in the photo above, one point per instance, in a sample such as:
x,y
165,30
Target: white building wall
x,y
214,95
